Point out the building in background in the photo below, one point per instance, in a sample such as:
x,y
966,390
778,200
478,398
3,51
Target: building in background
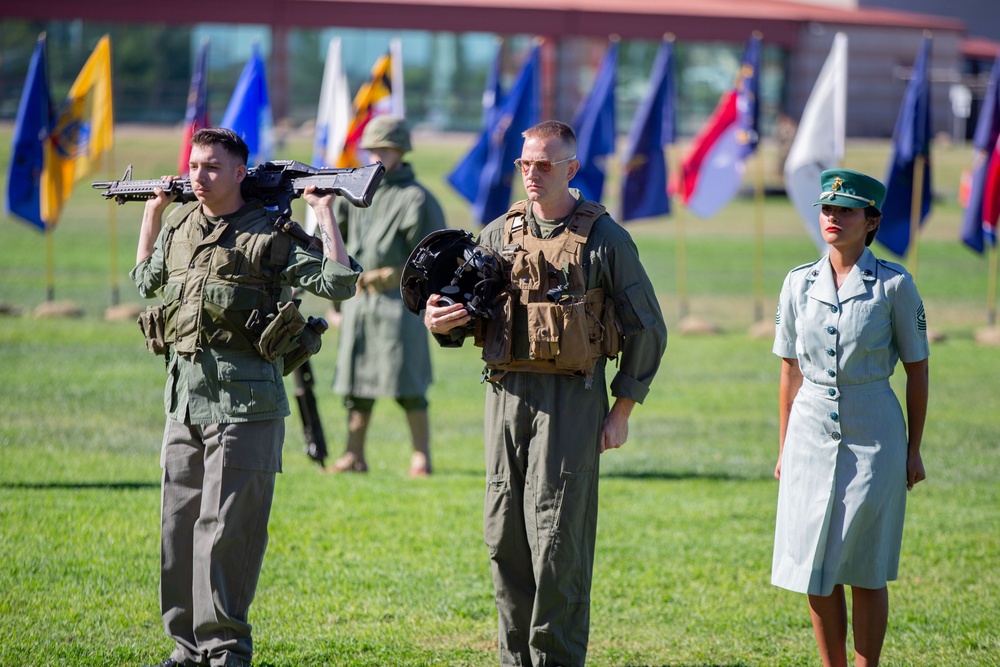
x,y
448,47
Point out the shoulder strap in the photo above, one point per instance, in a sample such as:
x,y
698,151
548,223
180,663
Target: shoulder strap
x,y
177,216
580,225
174,220
514,222
281,250
584,217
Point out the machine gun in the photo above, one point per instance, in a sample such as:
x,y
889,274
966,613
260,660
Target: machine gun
x,y
275,184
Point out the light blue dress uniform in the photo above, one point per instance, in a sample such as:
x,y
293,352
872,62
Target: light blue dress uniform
x,y
842,494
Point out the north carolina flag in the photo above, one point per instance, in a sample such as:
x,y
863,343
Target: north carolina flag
x,y
85,130
249,111
711,173
978,229
594,123
644,184
375,97
196,117
35,119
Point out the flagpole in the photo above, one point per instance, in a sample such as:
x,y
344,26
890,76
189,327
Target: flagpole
x,y
758,255
113,233
991,287
681,254
916,205
50,281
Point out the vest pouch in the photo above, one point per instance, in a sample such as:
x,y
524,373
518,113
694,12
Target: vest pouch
x,y
281,333
529,275
543,331
308,343
611,344
606,334
496,334
574,337
152,324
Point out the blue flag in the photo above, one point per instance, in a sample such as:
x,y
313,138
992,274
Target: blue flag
x,y
518,112
644,185
249,111
911,138
987,129
35,120
196,116
465,176
594,124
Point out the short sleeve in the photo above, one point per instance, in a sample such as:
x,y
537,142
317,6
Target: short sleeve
x,y
784,323
909,322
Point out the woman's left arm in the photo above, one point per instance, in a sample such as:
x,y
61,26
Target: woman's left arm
x,y
917,389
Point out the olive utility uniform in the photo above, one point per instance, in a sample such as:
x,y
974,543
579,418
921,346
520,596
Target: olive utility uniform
x,y
225,407
543,434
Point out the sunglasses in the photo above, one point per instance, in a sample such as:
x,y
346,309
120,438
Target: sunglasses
x,y
544,166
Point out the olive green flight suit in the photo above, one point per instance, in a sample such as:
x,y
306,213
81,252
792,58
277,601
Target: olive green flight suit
x,y
542,435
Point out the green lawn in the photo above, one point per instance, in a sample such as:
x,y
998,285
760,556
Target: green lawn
x,y
381,570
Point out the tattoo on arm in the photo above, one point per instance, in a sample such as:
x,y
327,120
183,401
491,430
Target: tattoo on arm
x,y
327,241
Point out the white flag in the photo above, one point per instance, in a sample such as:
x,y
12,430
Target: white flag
x,y
396,54
332,118
819,141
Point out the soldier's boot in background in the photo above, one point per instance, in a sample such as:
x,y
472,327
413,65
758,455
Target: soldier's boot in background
x,y
420,432
353,460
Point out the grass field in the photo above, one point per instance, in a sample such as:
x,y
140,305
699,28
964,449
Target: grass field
x,y
381,570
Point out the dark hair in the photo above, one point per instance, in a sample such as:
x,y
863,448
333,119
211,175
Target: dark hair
x,y
872,214
549,129
229,140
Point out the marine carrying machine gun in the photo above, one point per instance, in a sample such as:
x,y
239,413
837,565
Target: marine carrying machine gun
x,y
275,184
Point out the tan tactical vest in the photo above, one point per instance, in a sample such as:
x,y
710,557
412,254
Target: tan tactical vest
x,y
550,322
217,283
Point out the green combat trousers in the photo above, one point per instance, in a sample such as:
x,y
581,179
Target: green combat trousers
x,y
218,484
540,517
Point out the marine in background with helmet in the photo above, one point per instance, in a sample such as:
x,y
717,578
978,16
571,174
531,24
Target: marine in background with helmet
x,y
383,347
547,417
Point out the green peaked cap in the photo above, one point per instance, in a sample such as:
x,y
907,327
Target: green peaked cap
x,y
850,189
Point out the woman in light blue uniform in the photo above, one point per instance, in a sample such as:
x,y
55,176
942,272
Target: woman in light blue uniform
x,y
846,455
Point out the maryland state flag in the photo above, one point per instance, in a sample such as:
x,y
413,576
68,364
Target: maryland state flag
x,y
374,98
84,131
